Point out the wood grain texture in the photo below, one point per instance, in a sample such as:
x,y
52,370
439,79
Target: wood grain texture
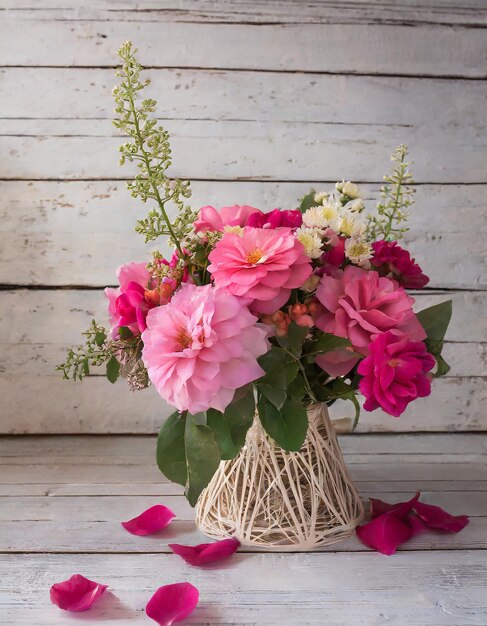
x,y
62,500
66,39
70,227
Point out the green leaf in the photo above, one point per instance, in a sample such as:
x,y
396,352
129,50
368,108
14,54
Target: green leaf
x,y
171,455
327,342
294,339
281,369
288,427
230,427
297,389
435,320
202,457
307,201
125,333
442,366
113,369
100,338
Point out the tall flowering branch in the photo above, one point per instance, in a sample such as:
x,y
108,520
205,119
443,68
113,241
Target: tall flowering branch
x,y
396,197
148,147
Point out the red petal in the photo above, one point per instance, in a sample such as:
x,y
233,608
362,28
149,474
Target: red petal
x,y
435,517
150,521
400,509
417,526
384,533
77,593
206,552
172,603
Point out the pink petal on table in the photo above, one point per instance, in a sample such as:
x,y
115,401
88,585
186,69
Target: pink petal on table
x,y
400,509
172,603
77,593
435,517
417,526
384,533
206,552
150,521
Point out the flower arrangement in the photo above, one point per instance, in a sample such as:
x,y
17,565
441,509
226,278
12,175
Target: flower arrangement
x,y
259,311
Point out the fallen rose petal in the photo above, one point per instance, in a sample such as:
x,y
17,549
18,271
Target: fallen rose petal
x,y
172,603
385,533
206,552
150,521
435,517
77,593
417,526
400,509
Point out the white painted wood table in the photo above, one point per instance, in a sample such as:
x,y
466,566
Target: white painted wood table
x,y
63,497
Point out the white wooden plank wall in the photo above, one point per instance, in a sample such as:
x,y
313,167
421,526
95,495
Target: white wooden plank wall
x,y
263,100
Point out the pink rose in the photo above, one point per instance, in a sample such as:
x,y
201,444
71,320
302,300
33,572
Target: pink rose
x,y
210,219
201,347
261,265
129,304
360,305
395,373
276,219
391,259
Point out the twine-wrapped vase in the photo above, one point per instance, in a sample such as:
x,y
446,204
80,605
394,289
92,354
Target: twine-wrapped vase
x,y
280,500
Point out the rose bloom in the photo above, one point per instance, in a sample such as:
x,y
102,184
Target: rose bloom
x,y
209,219
260,265
276,219
201,347
395,373
390,259
129,304
360,305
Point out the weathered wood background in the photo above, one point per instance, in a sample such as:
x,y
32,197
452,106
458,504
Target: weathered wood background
x,y
263,99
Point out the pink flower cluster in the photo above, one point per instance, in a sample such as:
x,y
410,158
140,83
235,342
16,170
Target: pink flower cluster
x,y
202,343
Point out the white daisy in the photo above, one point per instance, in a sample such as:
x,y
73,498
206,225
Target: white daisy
x,y
357,250
311,240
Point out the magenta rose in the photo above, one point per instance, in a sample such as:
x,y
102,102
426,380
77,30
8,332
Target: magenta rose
x,y
395,373
209,219
390,259
276,219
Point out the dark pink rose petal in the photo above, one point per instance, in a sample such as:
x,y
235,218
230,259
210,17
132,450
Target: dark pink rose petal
x,y
417,526
400,509
385,533
172,603
206,552
77,593
435,517
151,521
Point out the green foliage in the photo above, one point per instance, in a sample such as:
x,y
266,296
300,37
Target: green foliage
x,y
307,201
230,427
93,353
149,148
287,426
170,454
293,340
202,456
281,368
435,320
327,342
396,197
113,369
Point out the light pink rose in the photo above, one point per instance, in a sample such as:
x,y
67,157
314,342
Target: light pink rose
x,y
211,219
261,265
395,373
201,347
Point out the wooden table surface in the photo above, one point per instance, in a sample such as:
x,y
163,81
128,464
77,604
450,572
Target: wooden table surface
x,y
63,497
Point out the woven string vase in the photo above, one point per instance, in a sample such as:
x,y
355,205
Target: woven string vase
x,y
281,500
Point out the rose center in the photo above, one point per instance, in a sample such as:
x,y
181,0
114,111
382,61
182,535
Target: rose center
x,y
254,256
184,339
394,362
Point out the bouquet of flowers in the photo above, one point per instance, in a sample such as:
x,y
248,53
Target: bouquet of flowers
x,y
259,312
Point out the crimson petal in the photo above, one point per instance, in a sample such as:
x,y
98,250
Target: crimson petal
x,y
436,517
172,603
385,533
400,509
77,593
206,552
150,521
